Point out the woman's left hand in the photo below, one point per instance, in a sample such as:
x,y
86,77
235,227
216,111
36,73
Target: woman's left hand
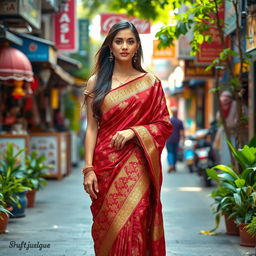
x,y
121,137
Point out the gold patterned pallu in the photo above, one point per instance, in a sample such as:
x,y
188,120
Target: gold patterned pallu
x,y
127,215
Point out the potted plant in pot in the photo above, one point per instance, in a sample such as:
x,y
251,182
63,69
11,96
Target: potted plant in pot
x,y
4,214
223,196
244,212
33,175
11,178
251,227
234,187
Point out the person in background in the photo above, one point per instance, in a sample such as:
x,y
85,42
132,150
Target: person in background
x,y
173,141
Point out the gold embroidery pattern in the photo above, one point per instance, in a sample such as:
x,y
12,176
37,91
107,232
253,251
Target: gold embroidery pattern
x,y
149,147
123,215
112,157
124,194
153,128
123,105
115,97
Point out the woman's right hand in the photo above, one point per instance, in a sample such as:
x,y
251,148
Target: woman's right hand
x,y
91,184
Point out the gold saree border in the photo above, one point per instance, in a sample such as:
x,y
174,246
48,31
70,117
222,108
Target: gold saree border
x,y
127,208
123,93
148,144
150,149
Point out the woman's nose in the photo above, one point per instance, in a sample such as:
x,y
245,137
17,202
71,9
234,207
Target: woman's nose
x,y
124,45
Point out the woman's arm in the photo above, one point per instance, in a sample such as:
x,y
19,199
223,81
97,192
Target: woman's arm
x,y
90,179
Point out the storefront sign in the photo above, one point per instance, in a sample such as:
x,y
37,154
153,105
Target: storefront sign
x,y
37,51
48,146
251,32
210,51
65,27
192,70
230,17
109,19
83,25
167,53
29,10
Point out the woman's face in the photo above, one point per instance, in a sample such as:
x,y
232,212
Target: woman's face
x,y
124,45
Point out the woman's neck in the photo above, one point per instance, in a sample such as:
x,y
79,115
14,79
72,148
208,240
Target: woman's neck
x,y
122,69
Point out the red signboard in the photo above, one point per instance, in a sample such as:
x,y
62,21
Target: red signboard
x,y
109,19
65,27
210,51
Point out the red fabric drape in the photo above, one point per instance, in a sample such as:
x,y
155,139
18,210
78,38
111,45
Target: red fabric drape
x,y
130,179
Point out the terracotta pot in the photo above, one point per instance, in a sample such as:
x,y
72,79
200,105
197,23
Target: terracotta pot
x,y
245,238
31,195
4,218
231,227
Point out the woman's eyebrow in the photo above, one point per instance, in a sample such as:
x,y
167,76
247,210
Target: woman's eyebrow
x,y
121,38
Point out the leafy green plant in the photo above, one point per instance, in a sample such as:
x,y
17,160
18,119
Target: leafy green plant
x,y
251,227
2,208
34,171
236,192
11,177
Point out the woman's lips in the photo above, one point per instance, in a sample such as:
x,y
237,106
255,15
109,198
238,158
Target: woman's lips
x,y
124,54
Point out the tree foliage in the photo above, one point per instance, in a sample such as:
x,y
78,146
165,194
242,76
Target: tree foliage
x,y
199,16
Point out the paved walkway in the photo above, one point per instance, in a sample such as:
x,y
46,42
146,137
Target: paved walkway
x,y
61,221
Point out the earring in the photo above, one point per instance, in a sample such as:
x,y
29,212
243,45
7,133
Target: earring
x,y
135,57
111,57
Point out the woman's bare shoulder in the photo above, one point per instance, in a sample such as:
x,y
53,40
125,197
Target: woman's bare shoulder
x,y
89,87
91,83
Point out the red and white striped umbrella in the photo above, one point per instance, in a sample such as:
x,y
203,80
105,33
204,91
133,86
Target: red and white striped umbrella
x,y
14,64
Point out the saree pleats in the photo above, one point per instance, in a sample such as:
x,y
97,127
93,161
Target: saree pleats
x,y
127,215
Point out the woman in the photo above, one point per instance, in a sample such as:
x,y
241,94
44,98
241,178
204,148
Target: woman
x,y
128,124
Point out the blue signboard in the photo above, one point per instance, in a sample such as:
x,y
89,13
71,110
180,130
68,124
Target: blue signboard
x,y
37,49
83,25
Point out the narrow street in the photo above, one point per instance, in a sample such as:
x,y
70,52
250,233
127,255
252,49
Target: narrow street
x,y
61,221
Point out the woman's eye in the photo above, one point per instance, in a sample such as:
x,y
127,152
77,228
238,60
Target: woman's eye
x,y
118,41
131,42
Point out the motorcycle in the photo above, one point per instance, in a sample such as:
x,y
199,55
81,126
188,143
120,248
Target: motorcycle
x,y
189,152
204,156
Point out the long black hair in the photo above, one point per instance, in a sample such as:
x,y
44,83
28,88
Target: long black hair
x,y
104,67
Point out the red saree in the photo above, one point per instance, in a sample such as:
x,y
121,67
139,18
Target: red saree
x,y
127,215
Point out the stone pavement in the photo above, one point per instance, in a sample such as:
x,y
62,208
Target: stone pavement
x,y
61,221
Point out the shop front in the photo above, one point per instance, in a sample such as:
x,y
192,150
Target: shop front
x,y
31,101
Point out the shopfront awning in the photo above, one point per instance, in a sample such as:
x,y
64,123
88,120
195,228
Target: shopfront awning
x,y
63,75
37,49
14,65
68,62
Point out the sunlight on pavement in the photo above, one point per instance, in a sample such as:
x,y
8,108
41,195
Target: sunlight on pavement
x,y
190,189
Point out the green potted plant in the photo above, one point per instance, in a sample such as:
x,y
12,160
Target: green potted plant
x,y
33,175
4,214
251,227
11,178
235,195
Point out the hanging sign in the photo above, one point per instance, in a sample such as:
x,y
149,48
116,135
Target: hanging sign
x,y
109,19
65,27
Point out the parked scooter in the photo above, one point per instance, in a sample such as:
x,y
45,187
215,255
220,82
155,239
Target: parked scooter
x,y
204,155
189,153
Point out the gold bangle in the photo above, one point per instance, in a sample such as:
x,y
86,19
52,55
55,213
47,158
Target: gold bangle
x,y
87,170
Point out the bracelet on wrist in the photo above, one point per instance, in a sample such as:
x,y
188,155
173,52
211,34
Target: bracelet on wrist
x,y
87,170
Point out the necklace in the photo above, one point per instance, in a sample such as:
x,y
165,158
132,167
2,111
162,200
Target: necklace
x,y
120,82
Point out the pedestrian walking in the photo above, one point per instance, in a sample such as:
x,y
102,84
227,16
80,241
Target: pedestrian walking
x,y
128,124
173,141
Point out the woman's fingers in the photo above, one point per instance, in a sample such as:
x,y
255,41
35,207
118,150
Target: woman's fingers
x,y
95,186
91,185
